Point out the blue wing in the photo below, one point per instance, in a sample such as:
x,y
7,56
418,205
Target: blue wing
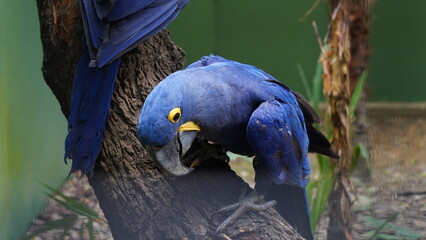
x,y
114,27
278,136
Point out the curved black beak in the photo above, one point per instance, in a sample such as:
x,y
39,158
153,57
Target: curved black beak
x,y
169,156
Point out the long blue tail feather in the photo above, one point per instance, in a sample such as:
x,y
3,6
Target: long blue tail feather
x,y
91,97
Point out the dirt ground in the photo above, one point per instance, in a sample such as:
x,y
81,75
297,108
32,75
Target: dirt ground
x,y
397,137
397,187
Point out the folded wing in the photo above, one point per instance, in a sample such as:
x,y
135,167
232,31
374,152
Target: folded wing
x,y
114,27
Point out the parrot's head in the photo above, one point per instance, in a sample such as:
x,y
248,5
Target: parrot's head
x,y
166,128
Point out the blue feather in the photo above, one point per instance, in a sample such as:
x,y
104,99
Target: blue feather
x,y
115,27
115,10
248,112
280,141
112,28
92,92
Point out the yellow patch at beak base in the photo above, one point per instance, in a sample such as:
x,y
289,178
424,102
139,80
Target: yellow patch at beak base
x,y
189,126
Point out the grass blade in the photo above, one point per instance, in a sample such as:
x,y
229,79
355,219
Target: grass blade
x,y
360,151
304,81
64,222
323,187
81,231
317,86
383,225
65,232
74,205
90,228
405,233
383,236
356,94
324,164
71,203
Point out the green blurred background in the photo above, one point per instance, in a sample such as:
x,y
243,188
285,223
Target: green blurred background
x,y
32,128
270,36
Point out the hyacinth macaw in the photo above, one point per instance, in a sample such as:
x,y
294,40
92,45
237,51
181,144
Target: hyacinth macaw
x,y
248,112
112,28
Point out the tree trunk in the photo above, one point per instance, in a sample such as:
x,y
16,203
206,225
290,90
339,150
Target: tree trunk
x,y
336,65
139,201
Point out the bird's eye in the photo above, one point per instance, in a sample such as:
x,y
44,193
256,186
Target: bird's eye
x,y
174,115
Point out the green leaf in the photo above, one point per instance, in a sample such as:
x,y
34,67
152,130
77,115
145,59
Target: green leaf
x,y
323,187
355,156
65,232
74,206
305,81
367,234
317,86
405,232
373,222
325,165
381,236
376,222
64,222
356,94
364,151
384,236
81,231
71,204
90,228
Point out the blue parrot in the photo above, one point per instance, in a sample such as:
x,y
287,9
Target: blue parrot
x,y
112,28
246,111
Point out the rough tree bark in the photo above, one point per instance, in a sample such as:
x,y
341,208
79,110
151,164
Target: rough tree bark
x,y
138,200
343,63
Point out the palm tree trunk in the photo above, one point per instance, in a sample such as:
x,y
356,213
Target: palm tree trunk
x,y
336,79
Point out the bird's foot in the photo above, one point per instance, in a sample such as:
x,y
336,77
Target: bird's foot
x,y
252,202
204,152
212,150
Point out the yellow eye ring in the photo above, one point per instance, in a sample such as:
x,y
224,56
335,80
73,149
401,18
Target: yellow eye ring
x,y
174,115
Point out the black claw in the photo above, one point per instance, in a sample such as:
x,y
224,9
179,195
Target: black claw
x,y
248,203
229,208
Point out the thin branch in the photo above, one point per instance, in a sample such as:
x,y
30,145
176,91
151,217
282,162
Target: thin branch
x,y
310,10
320,42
